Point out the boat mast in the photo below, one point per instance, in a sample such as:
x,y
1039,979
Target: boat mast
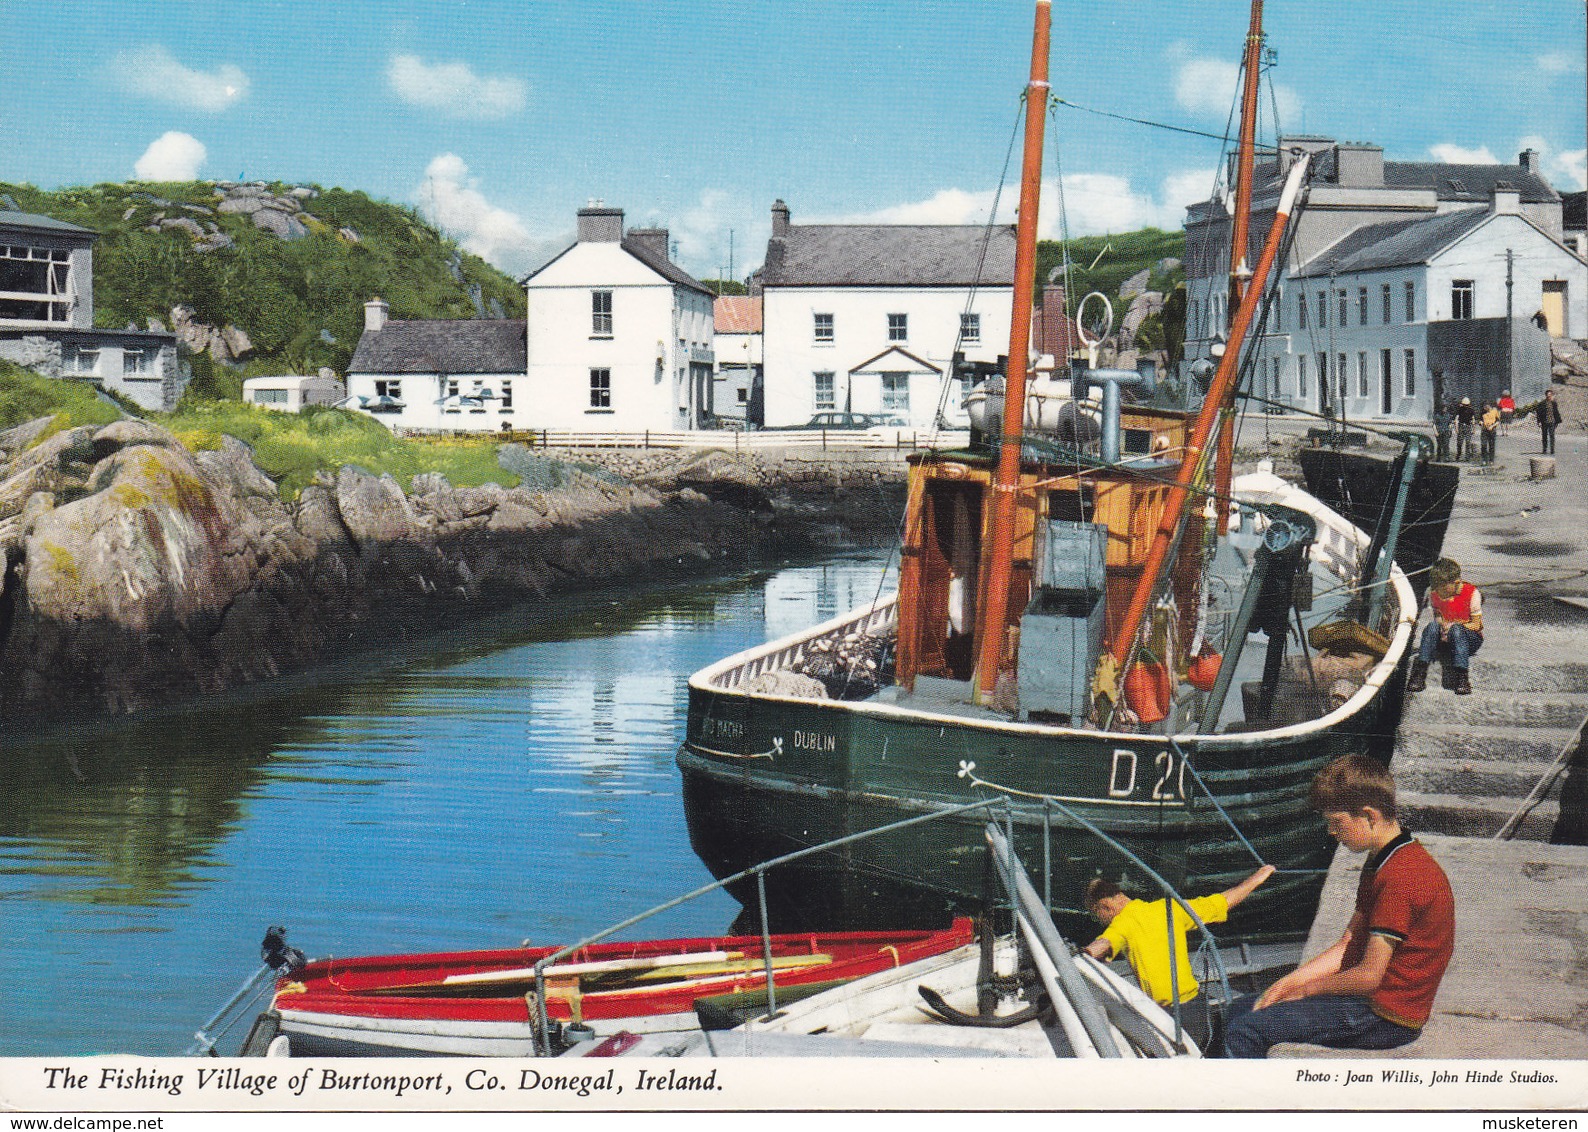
x,y
1239,272
995,602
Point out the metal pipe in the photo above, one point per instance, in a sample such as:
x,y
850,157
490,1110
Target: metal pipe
x,y
202,1043
1415,453
1076,989
766,945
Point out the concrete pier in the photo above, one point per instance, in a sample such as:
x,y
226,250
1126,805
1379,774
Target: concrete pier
x,y
1464,765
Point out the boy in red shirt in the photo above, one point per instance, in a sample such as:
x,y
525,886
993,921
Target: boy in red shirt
x,y
1458,622
1374,989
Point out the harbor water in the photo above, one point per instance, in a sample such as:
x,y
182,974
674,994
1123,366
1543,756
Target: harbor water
x,y
512,782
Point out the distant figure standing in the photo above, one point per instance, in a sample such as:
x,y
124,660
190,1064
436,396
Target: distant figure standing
x,y
1507,407
1442,423
1465,415
1548,413
1489,425
1457,623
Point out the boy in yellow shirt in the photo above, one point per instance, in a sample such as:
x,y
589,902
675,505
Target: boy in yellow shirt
x,y
1138,929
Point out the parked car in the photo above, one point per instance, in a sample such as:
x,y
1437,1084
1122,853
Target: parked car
x,y
832,420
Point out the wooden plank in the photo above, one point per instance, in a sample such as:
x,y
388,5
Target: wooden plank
x,y
596,967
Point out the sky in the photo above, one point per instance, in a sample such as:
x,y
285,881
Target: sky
x,y
499,119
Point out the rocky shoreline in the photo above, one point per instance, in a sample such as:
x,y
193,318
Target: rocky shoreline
x,y
136,575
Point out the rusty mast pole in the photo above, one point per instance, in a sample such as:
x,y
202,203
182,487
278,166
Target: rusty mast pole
x,y
1238,239
995,587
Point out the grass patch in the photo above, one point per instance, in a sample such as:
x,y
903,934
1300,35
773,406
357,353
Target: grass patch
x,y
292,447
25,396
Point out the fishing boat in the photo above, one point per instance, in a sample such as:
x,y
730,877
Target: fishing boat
x,y
484,1003
1069,634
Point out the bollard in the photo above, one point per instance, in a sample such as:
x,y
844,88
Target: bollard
x,y
1543,467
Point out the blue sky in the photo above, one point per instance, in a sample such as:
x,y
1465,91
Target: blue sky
x,y
500,118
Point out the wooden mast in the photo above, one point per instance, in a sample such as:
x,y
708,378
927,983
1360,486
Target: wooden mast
x,y
1239,237
995,590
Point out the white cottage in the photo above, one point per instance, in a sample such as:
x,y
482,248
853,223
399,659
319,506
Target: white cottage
x,y
737,346
620,337
867,317
432,375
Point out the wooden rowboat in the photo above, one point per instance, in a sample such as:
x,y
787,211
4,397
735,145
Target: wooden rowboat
x,y
483,1003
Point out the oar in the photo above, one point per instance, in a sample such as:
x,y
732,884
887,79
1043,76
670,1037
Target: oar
x,y
731,967
565,970
754,971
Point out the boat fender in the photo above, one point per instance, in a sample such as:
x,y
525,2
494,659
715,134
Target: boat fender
x,y
276,954
986,1021
1148,691
1204,671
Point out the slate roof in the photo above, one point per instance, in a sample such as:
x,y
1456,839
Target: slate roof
x,y
664,267
12,219
890,255
1396,244
1467,182
737,314
1573,215
443,345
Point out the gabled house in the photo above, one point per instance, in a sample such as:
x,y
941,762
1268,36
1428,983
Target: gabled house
x,y
737,345
1402,278
620,337
440,374
867,318
47,316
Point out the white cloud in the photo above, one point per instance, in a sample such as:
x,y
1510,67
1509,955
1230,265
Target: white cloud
x,y
1558,62
155,73
1452,154
1094,203
454,88
450,199
173,156
1209,87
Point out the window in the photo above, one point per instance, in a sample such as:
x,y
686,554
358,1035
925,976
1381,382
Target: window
x,y
1323,381
970,328
452,387
1409,362
1411,300
898,328
744,395
825,398
1301,370
1274,387
600,316
1323,309
1386,379
601,387
42,279
1301,312
391,388
1340,295
896,391
80,359
1384,303
136,363
1361,306
823,328
506,402
1361,374
270,396
1460,298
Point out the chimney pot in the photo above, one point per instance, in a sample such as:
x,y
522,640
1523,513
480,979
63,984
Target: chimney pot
x,y
375,314
780,219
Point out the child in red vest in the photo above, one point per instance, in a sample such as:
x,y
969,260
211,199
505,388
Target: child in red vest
x,y
1457,623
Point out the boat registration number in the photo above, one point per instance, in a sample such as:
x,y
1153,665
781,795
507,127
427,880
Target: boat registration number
x,y
1167,775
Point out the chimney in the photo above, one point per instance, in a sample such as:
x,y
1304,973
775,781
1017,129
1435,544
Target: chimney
x,y
1507,201
653,240
1528,160
375,314
599,224
779,219
1359,166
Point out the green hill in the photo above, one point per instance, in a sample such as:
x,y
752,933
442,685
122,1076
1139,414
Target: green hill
x,y
295,286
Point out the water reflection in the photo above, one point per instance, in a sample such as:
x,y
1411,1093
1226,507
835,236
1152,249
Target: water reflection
x,y
513,781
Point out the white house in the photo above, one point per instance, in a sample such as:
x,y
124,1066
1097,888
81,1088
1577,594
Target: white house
x,y
47,316
867,317
736,343
620,337
440,374
291,393
1402,276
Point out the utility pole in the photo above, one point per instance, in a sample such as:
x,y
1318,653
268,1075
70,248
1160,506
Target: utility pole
x,y
1510,353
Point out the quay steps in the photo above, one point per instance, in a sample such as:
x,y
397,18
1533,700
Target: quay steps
x,y
1465,764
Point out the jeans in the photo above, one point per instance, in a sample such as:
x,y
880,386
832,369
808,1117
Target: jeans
x,y
1335,1020
1548,433
1464,450
1463,643
1486,446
